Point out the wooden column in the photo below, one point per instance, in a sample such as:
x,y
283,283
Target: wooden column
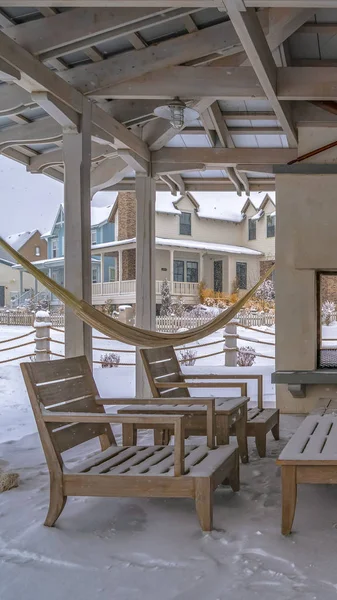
x,y
171,270
120,269
102,272
145,268
77,198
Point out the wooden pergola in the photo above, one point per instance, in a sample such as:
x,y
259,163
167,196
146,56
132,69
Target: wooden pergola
x,y
80,80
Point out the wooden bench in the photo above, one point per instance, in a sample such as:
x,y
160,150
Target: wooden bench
x,y
68,412
168,381
309,457
325,406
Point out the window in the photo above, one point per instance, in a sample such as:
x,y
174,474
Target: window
x,y
37,251
185,224
178,270
95,274
54,248
252,229
271,226
326,317
93,237
112,273
241,275
192,271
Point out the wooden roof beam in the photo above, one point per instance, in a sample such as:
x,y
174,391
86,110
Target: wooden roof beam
x,y
213,157
37,77
253,40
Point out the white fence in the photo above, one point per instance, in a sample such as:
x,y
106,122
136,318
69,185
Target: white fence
x,y
26,319
172,323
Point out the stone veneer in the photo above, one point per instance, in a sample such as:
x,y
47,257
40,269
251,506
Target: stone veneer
x,y
127,230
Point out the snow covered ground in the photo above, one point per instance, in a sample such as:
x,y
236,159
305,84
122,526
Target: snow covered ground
x,y
132,549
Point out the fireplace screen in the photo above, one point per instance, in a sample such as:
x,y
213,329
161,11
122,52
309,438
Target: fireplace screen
x,y
327,320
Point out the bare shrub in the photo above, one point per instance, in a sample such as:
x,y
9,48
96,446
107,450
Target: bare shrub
x,y
110,360
188,357
246,356
328,312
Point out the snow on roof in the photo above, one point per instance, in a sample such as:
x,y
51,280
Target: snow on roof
x,y
195,245
223,206
258,215
17,240
164,203
100,214
210,246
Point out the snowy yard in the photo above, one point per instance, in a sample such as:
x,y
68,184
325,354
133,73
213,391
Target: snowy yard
x,y
131,549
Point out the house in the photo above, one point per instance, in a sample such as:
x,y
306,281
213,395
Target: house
x,y
217,238
16,286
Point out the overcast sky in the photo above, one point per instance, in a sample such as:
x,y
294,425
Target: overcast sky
x,y
30,201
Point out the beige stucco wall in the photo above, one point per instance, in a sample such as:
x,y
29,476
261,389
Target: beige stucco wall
x,y
262,242
10,279
305,240
204,230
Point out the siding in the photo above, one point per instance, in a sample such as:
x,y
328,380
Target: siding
x,y
262,243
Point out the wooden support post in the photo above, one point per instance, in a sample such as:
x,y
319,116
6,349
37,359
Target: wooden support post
x,y
230,336
42,326
120,269
77,197
21,283
102,272
171,270
145,269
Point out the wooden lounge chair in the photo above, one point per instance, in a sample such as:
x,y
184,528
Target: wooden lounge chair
x,y
68,412
167,381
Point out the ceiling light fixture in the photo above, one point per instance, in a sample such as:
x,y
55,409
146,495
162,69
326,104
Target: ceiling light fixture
x,y
177,113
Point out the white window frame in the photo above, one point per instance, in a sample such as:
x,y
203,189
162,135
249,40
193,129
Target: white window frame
x,y
37,251
54,247
93,237
112,269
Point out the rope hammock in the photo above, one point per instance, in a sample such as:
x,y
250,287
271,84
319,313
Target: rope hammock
x,y
127,333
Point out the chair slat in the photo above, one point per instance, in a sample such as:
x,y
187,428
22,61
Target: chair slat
x,y
69,436
160,362
64,390
58,369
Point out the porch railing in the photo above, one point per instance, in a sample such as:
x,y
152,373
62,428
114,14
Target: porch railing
x,y
179,288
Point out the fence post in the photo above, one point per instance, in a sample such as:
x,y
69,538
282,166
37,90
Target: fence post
x,y
230,335
42,326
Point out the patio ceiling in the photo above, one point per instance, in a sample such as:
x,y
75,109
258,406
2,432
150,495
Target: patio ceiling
x,y
253,76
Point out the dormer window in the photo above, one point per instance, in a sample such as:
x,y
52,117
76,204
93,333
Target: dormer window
x,y
185,224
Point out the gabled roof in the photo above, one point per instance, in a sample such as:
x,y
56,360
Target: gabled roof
x,y
257,207
17,241
99,216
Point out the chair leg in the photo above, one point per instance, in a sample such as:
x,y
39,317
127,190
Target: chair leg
x,y
161,437
56,503
276,431
234,477
129,434
289,496
241,435
222,430
261,443
204,503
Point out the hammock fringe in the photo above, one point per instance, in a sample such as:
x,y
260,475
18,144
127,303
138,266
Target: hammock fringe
x,y
122,332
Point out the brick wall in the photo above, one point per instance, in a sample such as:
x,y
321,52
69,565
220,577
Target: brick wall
x,y
328,288
264,266
126,215
126,230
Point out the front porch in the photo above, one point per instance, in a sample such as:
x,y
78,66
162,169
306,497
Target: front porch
x,y
124,292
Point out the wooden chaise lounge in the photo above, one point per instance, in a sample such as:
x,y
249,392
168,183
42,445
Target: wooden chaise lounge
x,y
310,456
67,410
167,381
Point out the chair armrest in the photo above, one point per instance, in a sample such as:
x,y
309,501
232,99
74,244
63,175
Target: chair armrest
x,y
243,376
200,384
178,421
209,402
